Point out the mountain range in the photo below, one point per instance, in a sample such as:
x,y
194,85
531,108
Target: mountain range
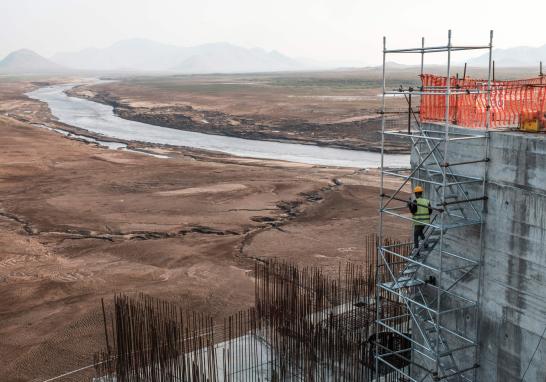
x,y
151,56
141,55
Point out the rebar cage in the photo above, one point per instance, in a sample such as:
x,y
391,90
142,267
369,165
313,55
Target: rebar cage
x,y
438,283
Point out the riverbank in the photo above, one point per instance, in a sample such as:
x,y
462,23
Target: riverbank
x,y
173,107
100,119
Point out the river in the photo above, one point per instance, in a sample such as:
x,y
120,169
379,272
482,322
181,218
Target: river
x,y
100,119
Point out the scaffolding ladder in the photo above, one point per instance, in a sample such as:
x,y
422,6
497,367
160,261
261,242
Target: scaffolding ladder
x,y
438,283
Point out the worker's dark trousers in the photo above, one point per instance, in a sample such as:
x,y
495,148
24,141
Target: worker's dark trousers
x,y
418,233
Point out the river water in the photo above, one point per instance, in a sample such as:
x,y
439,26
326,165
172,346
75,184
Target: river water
x,y
100,119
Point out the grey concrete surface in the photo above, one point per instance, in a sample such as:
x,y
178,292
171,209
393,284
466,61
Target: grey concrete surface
x,y
512,312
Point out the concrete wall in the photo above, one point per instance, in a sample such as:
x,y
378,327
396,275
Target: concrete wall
x,y
513,307
513,298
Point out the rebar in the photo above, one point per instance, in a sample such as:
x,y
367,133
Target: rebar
x,y
307,325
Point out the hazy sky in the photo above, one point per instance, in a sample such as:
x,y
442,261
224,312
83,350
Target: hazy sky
x,y
342,30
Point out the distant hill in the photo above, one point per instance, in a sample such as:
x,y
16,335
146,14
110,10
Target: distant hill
x,y
146,55
227,58
28,62
521,56
134,54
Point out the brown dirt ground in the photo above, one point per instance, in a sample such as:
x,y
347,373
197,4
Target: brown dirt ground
x,y
79,223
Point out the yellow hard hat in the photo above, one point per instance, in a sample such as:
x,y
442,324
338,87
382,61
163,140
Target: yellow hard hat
x,y
418,189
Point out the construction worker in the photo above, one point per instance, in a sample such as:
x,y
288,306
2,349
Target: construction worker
x,y
421,210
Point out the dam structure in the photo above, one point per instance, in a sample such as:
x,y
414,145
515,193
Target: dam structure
x,y
474,290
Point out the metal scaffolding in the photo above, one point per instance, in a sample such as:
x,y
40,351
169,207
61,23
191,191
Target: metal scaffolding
x,y
438,283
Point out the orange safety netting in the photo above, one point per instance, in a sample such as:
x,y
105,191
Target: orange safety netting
x,y
509,100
